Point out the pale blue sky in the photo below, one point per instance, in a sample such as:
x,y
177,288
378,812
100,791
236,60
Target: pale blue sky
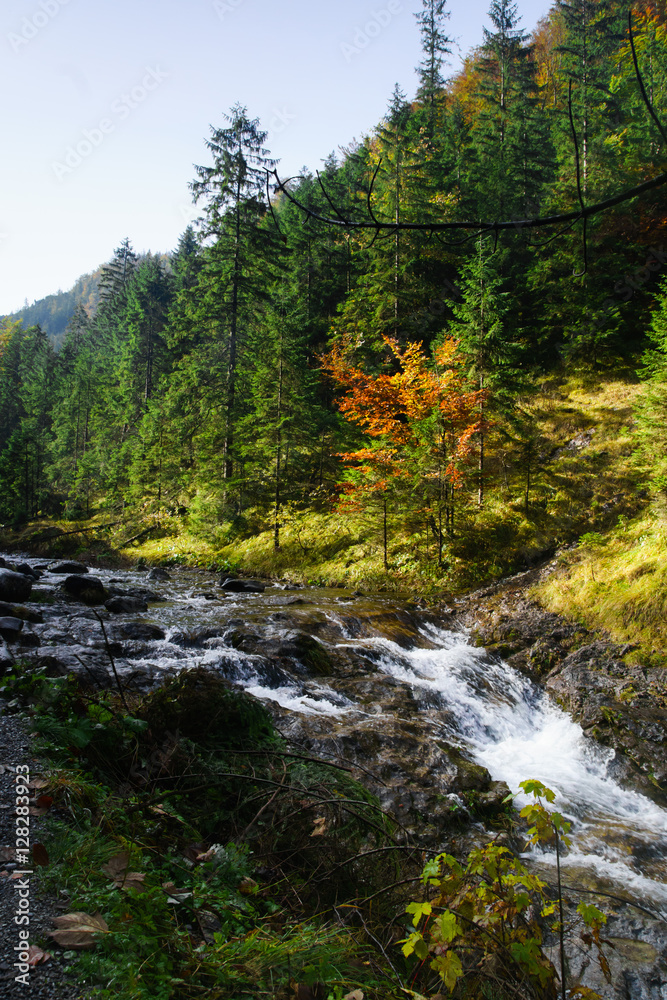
x,y
135,84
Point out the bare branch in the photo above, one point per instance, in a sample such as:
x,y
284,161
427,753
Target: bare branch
x,y
568,219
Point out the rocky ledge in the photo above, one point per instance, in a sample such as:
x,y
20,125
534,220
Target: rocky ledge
x,y
618,700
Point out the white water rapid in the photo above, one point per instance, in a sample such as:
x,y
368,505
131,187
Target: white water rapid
x,y
619,837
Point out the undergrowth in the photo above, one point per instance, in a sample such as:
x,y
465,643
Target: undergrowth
x,y
216,856
217,860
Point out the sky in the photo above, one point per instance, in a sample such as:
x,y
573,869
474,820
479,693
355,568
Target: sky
x,y
107,105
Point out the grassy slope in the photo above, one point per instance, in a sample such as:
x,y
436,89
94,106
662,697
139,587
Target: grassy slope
x,y
582,481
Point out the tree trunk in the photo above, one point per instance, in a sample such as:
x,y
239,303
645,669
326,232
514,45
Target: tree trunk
x,y
276,522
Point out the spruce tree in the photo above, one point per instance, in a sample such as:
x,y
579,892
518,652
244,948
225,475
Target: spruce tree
x,y
435,46
232,193
489,341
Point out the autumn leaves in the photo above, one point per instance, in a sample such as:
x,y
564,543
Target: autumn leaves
x,y
421,419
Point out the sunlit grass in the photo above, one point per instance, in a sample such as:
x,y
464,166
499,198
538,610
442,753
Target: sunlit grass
x,y
617,581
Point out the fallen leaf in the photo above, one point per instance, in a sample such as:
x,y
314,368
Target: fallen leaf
x,y
41,805
39,782
7,853
78,930
40,855
354,995
116,869
36,956
194,851
320,827
117,865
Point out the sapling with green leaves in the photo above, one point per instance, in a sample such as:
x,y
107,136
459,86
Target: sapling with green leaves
x,y
485,920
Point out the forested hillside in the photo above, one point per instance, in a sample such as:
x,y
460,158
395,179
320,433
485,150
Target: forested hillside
x,y
54,312
414,383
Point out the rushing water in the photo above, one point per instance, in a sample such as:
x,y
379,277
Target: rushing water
x,y
505,721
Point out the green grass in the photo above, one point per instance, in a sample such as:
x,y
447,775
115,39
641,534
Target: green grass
x,y
571,491
617,581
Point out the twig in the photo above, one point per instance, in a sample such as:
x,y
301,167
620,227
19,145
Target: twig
x,y
113,664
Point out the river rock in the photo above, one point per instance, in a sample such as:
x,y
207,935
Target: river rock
x,y
158,574
88,589
14,586
27,570
5,658
141,631
125,605
67,568
308,656
17,611
426,783
242,586
620,704
197,637
10,628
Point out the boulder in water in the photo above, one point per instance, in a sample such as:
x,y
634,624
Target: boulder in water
x,y
67,568
88,589
242,586
14,586
10,628
137,630
27,570
125,605
158,574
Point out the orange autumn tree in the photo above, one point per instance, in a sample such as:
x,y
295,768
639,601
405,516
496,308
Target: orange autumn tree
x,y
421,420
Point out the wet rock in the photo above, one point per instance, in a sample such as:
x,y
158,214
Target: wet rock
x,y
492,803
125,605
5,658
27,570
14,586
158,574
196,637
10,628
636,950
68,568
417,776
17,611
88,589
137,630
300,648
144,594
233,586
621,705
206,595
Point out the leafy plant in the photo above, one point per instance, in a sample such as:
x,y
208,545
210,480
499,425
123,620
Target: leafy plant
x,y
485,922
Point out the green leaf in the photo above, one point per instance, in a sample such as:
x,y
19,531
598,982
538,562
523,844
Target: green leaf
x,y
590,914
415,943
448,926
418,911
449,968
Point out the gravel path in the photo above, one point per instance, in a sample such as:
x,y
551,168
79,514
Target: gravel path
x,y
46,980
